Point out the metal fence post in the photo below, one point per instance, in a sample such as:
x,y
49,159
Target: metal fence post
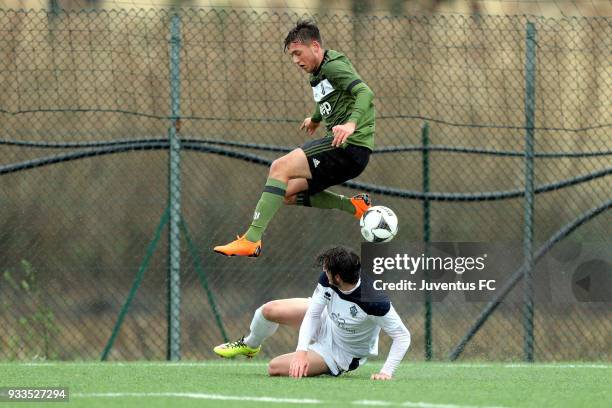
x,y
174,197
203,280
530,67
426,237
135,285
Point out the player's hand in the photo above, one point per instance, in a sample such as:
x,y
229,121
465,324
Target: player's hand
x,y
380,376
299,365
309,125
342,132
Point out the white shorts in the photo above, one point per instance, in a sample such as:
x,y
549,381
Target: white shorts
x,y
336,359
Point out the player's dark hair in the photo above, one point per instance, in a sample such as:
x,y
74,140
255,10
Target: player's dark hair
x,y
304,32
341,261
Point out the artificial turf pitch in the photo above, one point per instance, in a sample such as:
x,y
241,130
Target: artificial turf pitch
x,y
242,383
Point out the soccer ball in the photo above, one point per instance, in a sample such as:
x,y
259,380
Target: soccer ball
x,y
378,224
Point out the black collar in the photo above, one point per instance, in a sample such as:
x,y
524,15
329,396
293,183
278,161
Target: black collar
x,y
321,64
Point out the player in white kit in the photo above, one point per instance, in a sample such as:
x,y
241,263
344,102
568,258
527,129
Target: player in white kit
x,y
339,326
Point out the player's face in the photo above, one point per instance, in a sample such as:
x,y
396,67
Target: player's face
x,y
305,55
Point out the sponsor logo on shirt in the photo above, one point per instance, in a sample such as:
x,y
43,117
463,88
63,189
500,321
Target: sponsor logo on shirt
x,y
341,323
322,89
325,109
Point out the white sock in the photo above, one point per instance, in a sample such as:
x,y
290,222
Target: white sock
x,y
261,329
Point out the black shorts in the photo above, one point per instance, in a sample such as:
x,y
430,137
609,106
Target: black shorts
x,y
331,166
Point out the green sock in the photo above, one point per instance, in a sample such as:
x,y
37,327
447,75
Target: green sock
x,y
326,200
271,200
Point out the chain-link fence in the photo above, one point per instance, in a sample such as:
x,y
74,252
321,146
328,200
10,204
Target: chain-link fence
x,y
97,106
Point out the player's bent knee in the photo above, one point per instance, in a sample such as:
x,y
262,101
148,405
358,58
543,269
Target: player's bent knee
x,y
272,371
274,311
275,368
278,167
270,311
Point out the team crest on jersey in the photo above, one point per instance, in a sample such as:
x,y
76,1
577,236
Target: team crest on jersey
x,y
353,310
321,90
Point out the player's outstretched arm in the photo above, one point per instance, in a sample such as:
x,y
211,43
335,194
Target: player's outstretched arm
x,y
380,376
299,364
309,125
342,132
392,324
363,99
312,320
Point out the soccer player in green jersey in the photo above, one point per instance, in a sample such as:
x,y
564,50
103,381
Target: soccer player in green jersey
x,y
302,176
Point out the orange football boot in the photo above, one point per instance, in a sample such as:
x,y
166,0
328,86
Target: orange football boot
x,y
362,203
240,247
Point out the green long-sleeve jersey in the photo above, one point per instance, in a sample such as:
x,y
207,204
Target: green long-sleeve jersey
x,y
342,96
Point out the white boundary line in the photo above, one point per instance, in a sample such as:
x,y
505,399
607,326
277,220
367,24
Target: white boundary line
x,y
300,401
527,365
196,395
263,364
411,404
141,364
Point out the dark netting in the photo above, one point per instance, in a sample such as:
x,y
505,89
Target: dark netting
x,y
86,125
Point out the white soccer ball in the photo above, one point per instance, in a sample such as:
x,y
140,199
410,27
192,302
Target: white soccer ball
x,y
378,224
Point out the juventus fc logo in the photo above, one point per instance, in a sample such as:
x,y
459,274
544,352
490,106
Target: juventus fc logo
x,y
256,215
325,108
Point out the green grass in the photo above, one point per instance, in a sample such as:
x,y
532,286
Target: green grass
x,y
421,385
